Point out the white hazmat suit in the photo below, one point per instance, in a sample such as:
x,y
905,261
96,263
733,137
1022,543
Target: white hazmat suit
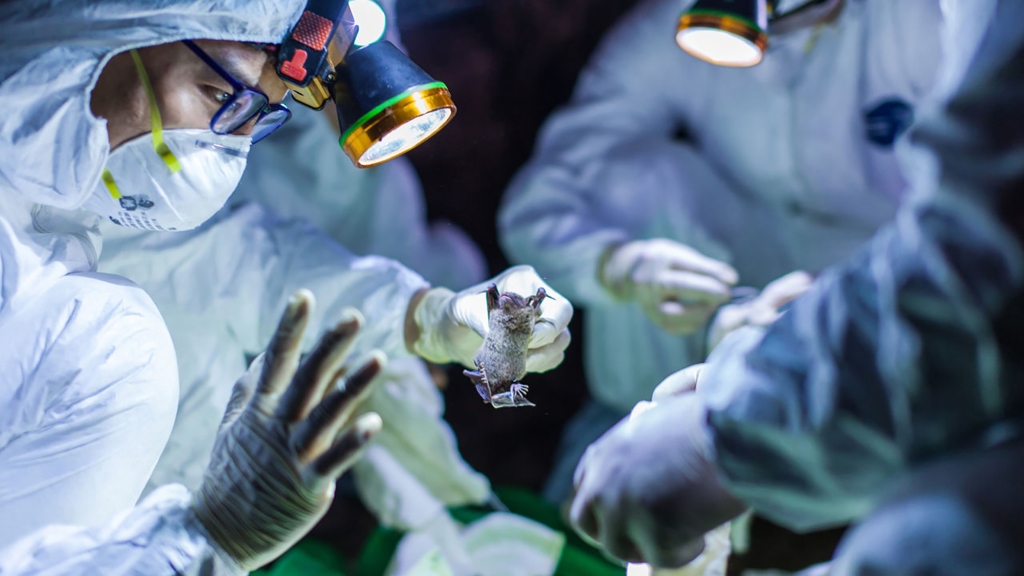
x,y
890,392
785,166
299,173
89,381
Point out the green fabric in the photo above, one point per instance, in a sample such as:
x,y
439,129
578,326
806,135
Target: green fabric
x,y
578,558
377,552
306,558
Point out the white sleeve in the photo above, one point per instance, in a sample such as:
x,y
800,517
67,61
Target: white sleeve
x,y
158,537
911,349
88,394
243,266
555,215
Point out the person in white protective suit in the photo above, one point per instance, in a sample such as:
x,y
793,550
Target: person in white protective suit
x,y
299,174
666,181
107,108
889,393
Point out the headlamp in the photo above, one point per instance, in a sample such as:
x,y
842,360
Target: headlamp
x,y
725,32
735,32
386,104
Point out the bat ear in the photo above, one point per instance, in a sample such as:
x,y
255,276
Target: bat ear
x,y
492,297
536,299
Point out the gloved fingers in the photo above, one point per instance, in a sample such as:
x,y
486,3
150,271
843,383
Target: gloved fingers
x,y
614,536
679,383
765,308
583,517
522,280
319,430
691,287
242,392
684,258
640,407
282,355
347,449
677,318
319,370
555,314
549,356
579,474
662,556
786,288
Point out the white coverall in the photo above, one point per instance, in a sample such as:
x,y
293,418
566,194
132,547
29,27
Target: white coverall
x,y
787,165
88,381
894,385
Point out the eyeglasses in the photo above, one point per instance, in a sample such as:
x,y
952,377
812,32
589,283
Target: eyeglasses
x,y
245,104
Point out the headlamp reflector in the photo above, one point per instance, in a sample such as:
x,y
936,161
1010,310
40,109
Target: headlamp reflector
x,y
398,125
719,47
726,33
386,104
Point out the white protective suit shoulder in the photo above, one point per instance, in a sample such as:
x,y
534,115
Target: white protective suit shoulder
x,y
89,381
88,392
912,348
787,165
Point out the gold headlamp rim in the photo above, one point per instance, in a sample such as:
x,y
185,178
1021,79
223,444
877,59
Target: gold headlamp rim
x,y
373,126
725,22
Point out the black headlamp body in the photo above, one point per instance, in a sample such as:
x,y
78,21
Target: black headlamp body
x,y
386,104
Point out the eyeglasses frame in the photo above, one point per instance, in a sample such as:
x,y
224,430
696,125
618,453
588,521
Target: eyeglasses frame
x,y
239,90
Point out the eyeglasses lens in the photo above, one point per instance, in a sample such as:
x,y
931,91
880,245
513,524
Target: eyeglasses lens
x,y
237,112
269,123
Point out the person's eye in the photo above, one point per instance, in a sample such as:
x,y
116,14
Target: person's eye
x,y
219,96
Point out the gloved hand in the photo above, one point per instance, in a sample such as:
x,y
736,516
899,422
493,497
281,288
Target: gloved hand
x,y
760,310
450,327
677,287
647,490
278,452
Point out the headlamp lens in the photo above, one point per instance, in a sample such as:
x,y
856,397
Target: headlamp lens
x,y
405,137
719,47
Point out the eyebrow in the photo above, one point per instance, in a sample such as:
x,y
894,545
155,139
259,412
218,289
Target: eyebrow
x,y
229,61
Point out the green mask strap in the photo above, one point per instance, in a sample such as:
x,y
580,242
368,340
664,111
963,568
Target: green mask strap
x,y
156,128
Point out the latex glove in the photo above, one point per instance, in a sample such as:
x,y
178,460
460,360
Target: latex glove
x,y
647,490
760,310
677,287
278,452
450,327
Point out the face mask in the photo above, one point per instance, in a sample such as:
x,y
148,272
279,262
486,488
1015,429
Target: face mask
x,y
173,180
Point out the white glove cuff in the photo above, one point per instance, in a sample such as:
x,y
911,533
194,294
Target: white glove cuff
x,y
433,320
616,269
